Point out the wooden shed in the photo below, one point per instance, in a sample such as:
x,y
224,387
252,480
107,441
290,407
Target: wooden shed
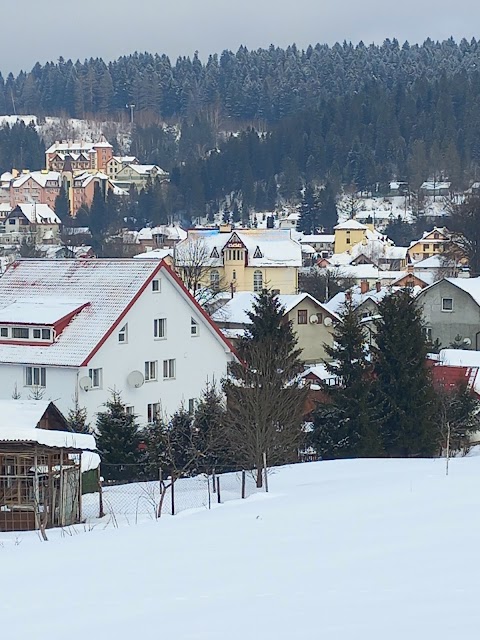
x,y
40,467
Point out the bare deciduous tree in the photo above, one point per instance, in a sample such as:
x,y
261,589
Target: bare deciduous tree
x,y
194,264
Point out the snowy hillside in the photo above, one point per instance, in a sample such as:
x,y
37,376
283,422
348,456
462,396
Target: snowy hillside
x,y
360,549
53,128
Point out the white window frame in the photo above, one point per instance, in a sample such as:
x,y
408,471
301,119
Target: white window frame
x,y
151,370
129,410
194,328
257,276
36,377
153,411
160,328
96,377
4,332
169,369
443,305
20,329
192,403
123,334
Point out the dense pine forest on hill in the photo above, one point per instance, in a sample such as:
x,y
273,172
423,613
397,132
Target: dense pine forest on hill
x,y
358,115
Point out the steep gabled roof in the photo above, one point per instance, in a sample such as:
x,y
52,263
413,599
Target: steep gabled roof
x,y
111,287
471,286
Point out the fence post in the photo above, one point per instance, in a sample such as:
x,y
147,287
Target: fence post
x,y
213,480
218,490
243,484
173,495
265,471
101,512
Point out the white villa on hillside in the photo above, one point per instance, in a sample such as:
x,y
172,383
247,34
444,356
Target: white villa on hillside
x,y
81,328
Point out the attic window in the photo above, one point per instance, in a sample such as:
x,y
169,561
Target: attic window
x,y
258,253
214,253
123,334
156,288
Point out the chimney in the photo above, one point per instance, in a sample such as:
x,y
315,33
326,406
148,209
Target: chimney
x,y
378,286
348,296
364,286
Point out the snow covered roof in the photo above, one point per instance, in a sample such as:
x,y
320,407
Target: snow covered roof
x,y
19,420
46,311
365,271
337,303
235,310
156,254
433,262
317,238
108,285
40,177
350,224
39,213
435,186
125,159
77,146
459,358
277,247
146,169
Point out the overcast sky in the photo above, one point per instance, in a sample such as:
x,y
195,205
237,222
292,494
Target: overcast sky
x,y
41,30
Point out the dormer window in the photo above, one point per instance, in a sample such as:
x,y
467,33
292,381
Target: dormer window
x,y
42,334
20,333
258,253
214,253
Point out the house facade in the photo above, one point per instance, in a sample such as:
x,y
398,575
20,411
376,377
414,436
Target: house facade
x,y
312,322
451,308
41,187
137,175
432,243
241,260
34,222
74,330
84,156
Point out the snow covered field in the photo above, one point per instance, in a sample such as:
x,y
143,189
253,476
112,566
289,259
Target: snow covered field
x,y
361,549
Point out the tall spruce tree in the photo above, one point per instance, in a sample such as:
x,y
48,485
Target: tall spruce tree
x,y
265,401
62,207
328,217
309,219
347,425
209,426
118,440
403,386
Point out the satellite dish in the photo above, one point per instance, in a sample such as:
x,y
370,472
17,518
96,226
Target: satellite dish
x,y
135,379
467,342
327,321
85,383
313,318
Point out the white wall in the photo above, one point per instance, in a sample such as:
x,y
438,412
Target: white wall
x,y
198,359
61,383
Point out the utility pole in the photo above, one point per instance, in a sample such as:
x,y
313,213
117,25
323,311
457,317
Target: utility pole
x,y
131,107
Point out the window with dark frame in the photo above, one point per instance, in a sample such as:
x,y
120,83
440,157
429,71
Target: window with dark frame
x,y
447,304
302,316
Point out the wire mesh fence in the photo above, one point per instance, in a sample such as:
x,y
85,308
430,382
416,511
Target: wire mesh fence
x,y
136,501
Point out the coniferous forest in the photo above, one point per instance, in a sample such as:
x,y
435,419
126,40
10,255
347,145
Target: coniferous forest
x,y
359,115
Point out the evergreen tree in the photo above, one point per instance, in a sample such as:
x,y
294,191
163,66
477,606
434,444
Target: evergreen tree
x,y
62,207
118,440
403,386
328,209
347,425
309,219
77,419
209,427
265,401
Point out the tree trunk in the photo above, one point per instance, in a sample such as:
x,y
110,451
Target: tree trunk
x,y
259,476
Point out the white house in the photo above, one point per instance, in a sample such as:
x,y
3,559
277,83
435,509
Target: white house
x,y
76,329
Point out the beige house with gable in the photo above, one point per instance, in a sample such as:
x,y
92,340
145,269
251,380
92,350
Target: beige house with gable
x,y
312,322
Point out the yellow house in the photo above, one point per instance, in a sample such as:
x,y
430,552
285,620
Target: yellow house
x,y
312,322
350,233
432,243
239,260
